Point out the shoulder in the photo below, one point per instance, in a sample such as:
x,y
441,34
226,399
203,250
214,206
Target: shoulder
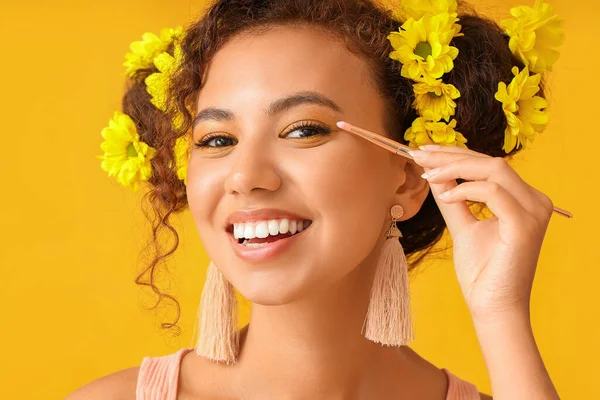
x,y
119,385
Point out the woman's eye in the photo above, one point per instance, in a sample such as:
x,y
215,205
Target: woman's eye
x,y
308,129
304,130
216,141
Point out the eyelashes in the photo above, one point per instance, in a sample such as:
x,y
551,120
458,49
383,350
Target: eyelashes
x,y
206,140
218,140
320,129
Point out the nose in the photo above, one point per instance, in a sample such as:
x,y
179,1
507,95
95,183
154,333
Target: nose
x,y
253,167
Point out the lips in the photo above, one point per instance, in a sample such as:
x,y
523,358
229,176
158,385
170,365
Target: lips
x,y
269,250
272,245
260,214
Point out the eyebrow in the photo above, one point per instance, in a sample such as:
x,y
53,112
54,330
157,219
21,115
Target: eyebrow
x,y
278,106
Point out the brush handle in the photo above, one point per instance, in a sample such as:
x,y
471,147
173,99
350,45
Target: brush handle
x,y
402,150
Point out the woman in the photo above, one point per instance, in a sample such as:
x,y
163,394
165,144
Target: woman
x,y
261,87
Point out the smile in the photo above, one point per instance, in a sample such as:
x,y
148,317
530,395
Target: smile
x,y
260,241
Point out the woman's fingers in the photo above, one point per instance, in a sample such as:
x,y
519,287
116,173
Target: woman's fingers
x,y
456,214
494,170
499,201
454,149
434,159
494,182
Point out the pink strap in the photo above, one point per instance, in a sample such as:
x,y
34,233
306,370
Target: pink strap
x,y
459,389
158,376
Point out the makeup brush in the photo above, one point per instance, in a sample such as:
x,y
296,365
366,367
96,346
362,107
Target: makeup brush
x,y
402,150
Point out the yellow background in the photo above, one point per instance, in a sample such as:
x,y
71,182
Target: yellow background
x,y
71,237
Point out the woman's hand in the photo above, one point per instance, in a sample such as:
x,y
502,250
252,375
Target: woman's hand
x,y
495,259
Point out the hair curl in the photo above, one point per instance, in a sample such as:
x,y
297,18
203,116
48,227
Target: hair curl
x,y
483,61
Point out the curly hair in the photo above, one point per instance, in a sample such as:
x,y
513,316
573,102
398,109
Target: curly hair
x,y
362,26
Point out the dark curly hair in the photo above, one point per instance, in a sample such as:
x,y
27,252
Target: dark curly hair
x,y
484,60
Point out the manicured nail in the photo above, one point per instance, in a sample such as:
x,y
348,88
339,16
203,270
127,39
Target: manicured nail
x,y
444,195
416,153
431,173
430,147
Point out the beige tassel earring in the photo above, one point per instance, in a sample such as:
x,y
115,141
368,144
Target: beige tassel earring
x,y
388,318
217,315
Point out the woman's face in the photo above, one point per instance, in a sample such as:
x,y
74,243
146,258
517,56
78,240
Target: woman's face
x,y
268,152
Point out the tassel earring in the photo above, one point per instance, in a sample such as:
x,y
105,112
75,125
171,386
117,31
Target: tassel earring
x,y
217,315
388,318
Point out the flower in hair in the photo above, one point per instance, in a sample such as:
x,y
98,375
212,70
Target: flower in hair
x,y
125,157
525,112
426,130
182,148
157,83
143,51
417,9
436,96
423,46
535,33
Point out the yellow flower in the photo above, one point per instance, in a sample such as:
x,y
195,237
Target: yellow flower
x,y
534,35
525,112
423,46
143,51
125,156
157,84
437,97
417,134
182,148
417,9
425,130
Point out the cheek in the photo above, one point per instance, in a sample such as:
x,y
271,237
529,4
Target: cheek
x,y
204,191
351,191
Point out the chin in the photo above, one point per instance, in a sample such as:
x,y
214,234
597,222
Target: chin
x,y
275,287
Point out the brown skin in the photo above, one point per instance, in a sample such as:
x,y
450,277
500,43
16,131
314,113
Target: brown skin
x,y
304,338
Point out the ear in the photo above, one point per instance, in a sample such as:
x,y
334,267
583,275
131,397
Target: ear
x,y
413,191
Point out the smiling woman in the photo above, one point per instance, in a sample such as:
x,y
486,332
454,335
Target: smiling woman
x,y
317,227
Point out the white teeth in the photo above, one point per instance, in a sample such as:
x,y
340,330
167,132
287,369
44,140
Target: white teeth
x,y
249,231
261,229
284,226
241,228
273,227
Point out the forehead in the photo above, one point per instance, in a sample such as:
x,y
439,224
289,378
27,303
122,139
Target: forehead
x,y
261,67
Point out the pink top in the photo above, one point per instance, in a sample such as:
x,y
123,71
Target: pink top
x,y
158,378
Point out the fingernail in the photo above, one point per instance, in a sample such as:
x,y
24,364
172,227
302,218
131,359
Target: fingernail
x,y
430,147
444,195
431,173
416,153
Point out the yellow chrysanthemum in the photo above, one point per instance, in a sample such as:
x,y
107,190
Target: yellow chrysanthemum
x,y
417,9
534,35
143,51
125,156
426,131
525,112
182,148
423,46
157,83
437,97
